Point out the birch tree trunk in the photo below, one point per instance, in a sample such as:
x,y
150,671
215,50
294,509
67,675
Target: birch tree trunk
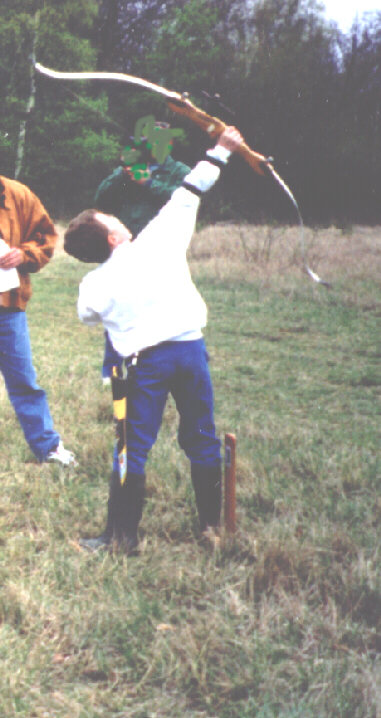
x,y
20,153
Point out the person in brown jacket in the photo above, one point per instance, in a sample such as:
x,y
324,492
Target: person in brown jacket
x,y
27,241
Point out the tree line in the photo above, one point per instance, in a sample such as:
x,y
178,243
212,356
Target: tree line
x,y
298,88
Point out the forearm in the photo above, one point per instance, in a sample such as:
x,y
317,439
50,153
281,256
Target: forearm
x,y
174,224
206,173
38,246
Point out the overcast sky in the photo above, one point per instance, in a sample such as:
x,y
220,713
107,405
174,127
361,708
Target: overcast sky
x,y
344,11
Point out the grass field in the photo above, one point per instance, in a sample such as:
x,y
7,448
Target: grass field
x,y
285,620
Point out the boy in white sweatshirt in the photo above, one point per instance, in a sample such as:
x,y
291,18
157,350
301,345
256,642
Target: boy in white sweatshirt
x,y
143,294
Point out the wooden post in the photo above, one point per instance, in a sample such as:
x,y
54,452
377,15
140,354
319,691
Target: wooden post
x,y
230,482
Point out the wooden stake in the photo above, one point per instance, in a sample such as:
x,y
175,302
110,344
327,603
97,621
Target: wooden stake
x,y
230,482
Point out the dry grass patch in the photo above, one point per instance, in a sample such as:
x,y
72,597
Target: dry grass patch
x,y
271,253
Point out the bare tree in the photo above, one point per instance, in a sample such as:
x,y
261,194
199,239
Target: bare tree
x,y
20,152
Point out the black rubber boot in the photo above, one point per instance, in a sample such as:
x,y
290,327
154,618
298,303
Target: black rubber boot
x,y
104,540
128,513
125,506
207,487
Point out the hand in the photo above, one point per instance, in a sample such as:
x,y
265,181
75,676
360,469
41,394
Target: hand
x,y
138,173
231,139
11,259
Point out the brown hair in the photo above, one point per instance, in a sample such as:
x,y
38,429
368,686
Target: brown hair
x,y
86,238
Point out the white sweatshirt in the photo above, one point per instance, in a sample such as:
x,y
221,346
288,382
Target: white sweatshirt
x,y
143,294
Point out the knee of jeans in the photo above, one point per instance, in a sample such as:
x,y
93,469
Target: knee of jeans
x,y
202,445
20,391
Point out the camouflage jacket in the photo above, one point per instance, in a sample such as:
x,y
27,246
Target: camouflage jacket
x,y
135,205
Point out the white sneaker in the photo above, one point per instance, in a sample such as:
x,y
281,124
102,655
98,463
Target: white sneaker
x,y
62,456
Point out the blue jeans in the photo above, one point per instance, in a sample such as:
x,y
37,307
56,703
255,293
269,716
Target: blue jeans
x,y
181,369
28,399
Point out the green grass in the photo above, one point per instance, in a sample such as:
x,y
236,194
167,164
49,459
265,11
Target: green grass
x,y
285,621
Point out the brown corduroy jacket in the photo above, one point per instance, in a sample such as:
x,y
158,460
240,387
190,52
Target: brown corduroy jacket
x,y
24,223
